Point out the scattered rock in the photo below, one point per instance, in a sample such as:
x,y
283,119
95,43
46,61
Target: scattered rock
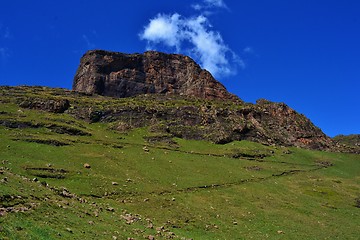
x,y
69,230
129,218
86,165
280,232
159,229
287,151
114,183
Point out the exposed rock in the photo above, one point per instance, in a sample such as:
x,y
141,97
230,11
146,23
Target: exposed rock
x,y
50,105
264,122
123,75
86,165
349,143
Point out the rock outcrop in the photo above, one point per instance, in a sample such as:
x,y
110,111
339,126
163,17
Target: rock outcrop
x,y
220,122
168,116
124,75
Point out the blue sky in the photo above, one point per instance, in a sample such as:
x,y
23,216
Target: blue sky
x,y
304,53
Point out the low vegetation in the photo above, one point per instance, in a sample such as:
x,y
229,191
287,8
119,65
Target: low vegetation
x,y
62,177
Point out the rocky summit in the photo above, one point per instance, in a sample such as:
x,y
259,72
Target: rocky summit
x,y
124,75
164,75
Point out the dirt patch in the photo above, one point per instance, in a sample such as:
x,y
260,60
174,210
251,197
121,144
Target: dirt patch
x,y
249,155
162,139
67,130
9,123
253,168
357,202
47,172
51,142
324,164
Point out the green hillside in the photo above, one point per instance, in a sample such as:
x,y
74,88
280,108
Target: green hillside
x,y
66,178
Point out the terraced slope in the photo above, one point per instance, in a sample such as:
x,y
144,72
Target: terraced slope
x,y
64,177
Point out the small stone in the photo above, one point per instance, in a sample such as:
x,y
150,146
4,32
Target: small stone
x,y
91,222
151,237
114,183
86,165
280,232
159,229
110,209
69,230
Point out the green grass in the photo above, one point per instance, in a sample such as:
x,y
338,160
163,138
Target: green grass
x,y
195,189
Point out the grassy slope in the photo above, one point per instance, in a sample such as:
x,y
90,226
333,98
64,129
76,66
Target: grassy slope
x,y
196,190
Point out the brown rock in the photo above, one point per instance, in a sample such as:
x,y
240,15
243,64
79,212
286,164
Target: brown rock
x,y
50,105
86,165
124,75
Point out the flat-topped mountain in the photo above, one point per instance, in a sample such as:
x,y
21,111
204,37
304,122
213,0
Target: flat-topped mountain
x,y
123,75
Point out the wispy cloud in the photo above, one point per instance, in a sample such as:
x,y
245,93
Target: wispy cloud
x,y
89,44
209,4
4,35
4,53
4,32
193,36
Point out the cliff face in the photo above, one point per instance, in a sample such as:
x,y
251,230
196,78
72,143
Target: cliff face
x,y
124,75
171,76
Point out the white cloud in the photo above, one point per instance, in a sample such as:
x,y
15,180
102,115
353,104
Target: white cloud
x,y
163,29
193,36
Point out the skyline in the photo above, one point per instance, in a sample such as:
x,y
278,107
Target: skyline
x,y
302,53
